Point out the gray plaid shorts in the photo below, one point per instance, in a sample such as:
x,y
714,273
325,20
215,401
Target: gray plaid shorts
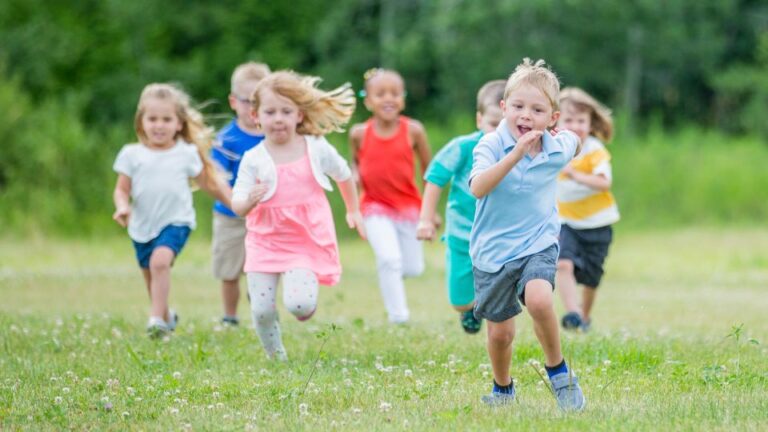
x,y
498,295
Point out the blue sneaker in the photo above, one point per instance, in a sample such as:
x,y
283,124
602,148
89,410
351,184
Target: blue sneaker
x,y
496,399
568,392
571,321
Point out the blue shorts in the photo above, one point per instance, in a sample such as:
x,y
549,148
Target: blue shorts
x,y
173,237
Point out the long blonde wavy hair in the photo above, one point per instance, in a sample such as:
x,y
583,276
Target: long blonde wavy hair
x,y
324,111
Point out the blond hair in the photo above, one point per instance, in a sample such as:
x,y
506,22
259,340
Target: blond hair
x,y
247,72
538,75
600,116
490,94
324,111
193,127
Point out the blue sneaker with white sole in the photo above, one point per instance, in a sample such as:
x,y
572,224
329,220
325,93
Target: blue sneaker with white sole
x,y
568,392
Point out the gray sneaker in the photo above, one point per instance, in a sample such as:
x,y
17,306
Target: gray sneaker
x,y
496,399
157,328
174,319
568,392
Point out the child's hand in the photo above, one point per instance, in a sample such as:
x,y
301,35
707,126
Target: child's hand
x,y
257,193
568,171
528,140
121,216
426,230
355,220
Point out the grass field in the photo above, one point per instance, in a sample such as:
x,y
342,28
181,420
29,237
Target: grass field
x,y
680,342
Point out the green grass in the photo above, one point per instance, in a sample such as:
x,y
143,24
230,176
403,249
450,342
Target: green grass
x,y
679,343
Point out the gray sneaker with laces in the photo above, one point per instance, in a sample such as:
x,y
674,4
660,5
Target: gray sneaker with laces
x,y
568,392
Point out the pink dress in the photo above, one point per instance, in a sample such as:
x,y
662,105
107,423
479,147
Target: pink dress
x,y
294,228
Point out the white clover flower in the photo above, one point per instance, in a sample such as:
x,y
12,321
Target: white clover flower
x,y
130,390
303,409
535,363
408,372
385,406
215,395
58,400
173,411
356,410
65,390
125,414
606,363
105,399
177,375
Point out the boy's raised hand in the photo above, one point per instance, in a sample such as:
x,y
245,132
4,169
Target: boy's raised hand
x,y
355,221
121,216
528,140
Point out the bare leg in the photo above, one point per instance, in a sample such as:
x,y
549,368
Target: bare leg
x,y
464,308
500,336
588,299
147,281
538,300
160,285
230,295
566,284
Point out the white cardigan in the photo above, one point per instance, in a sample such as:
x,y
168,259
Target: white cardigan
x,y
258,164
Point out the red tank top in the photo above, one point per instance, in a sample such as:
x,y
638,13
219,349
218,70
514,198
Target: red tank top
x,y
387,174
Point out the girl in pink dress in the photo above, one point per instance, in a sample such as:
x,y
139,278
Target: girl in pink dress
x,y
280,190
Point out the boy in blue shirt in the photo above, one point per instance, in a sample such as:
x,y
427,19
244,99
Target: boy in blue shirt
x,y
513,243
239,136
453,163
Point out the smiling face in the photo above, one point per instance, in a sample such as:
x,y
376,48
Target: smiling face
x,y
278,116
574,120
385,95
160,123
526,108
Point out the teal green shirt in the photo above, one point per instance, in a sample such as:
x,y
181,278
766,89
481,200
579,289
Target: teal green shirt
x,y
453,163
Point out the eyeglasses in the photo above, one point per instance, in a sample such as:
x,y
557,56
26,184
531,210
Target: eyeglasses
x,y
242,99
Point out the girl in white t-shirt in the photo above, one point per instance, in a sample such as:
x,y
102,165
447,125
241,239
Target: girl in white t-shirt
x,y
153,197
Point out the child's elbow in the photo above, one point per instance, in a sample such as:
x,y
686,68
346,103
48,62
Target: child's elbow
x,y
476,190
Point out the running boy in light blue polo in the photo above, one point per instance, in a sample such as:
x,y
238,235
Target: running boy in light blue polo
x,y
513,243
453,163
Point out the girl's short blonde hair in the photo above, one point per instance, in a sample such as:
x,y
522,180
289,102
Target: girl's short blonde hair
x,y
574,98
324,111
193,127
538,75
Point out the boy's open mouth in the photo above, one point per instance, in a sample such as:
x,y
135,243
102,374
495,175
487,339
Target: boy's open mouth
x,y
523,129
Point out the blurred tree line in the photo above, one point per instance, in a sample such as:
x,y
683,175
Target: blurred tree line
x,y
71,70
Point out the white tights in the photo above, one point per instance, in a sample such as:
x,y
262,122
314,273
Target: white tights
x,y
398,254
299,297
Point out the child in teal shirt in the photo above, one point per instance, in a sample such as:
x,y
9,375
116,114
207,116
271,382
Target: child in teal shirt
x,y
453,164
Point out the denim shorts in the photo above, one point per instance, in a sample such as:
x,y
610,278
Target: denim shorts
x,y
498,295
587,249
173,237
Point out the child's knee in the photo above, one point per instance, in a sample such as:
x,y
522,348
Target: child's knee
x,y
565,265
263,313
413,269
161,259
538,297
392,263
301,308
500,336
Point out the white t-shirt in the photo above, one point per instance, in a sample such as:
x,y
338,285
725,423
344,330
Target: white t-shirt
x,y
160,190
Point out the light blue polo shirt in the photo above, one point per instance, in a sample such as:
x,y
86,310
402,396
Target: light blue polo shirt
x,y
518,218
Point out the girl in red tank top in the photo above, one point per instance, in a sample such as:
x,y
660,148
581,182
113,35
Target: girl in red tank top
x,y
383,150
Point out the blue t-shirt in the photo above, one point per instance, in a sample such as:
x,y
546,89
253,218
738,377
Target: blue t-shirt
x,y
518,217
232,142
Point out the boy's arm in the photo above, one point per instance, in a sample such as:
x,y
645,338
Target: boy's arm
x,y
215,186
427,227
420,144
354,219
122,198
484,182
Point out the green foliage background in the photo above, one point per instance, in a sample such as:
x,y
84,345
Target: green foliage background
x,y
688,80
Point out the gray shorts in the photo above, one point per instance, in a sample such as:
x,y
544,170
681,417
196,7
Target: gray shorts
x,y
228,247
498,295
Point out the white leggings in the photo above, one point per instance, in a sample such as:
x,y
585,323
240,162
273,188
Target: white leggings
x,y
398,254
299,297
